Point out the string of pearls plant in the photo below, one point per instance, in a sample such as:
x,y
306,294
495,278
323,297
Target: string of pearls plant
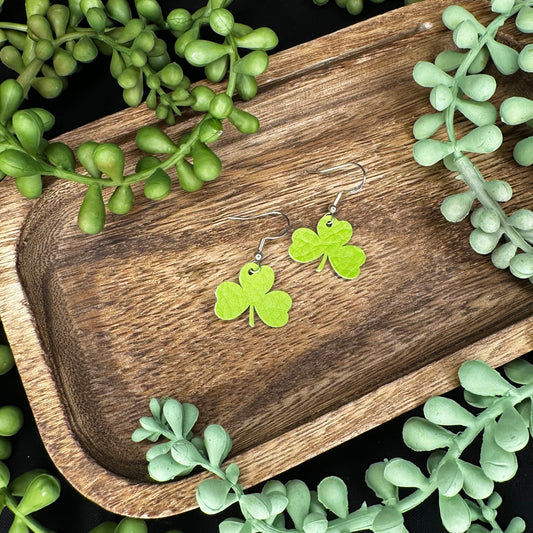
x,y
57,38
458,85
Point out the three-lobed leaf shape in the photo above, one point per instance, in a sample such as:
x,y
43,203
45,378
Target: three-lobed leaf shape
x,y
329,241
253,292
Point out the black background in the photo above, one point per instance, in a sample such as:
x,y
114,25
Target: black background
x,y
92,93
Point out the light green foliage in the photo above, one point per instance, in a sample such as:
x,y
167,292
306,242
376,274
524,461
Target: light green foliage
x,y
329,242
466,497
458,84
58,39
253,293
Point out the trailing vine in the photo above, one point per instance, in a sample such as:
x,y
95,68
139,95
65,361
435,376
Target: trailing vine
x,y
56,38
466,491
458,85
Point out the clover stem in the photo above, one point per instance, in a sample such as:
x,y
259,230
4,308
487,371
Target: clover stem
x,y
322,263
251,320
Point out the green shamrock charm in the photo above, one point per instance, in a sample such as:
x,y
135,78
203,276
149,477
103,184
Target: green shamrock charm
x,y
253,292
330,242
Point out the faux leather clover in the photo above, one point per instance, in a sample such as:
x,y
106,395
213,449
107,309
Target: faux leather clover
x,y
253,294
330,242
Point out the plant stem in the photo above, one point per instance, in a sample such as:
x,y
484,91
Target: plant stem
x,y
27,76
362,519
468,171
13,26
473,178
29,521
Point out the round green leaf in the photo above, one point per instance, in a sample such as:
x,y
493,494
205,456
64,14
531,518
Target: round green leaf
x,y
421,435
388,520
454,513
299,501
481,379
217,443
450,478
333,495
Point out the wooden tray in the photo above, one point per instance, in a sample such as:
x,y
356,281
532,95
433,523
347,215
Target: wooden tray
x,y
100,324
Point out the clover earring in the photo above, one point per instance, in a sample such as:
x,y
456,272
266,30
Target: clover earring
x,y
331,238
253,290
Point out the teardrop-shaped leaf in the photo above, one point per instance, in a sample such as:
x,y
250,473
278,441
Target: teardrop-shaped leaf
x,y
427,152
428,75
273,485
231,525
233,473
150,424
475,400
511,432
447,412
190,416
200,52
476,484
42,491
403,473
388,520
481,140
480,113
157,450
519,371
109,158
504,57
454,513
299,501
450,478
11,96
212,495
19,164
29,129
19,485
91,216
479,87
154,141
375,479
141,434
217,443
315,523
186,453
173,411
427,125
256,505
497,463
278,502
421,435
481,379
333,495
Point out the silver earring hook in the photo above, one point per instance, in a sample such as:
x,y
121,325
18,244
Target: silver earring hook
x,y
334,207
258,256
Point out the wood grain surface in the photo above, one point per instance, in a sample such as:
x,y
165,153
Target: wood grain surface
x,y
100,324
